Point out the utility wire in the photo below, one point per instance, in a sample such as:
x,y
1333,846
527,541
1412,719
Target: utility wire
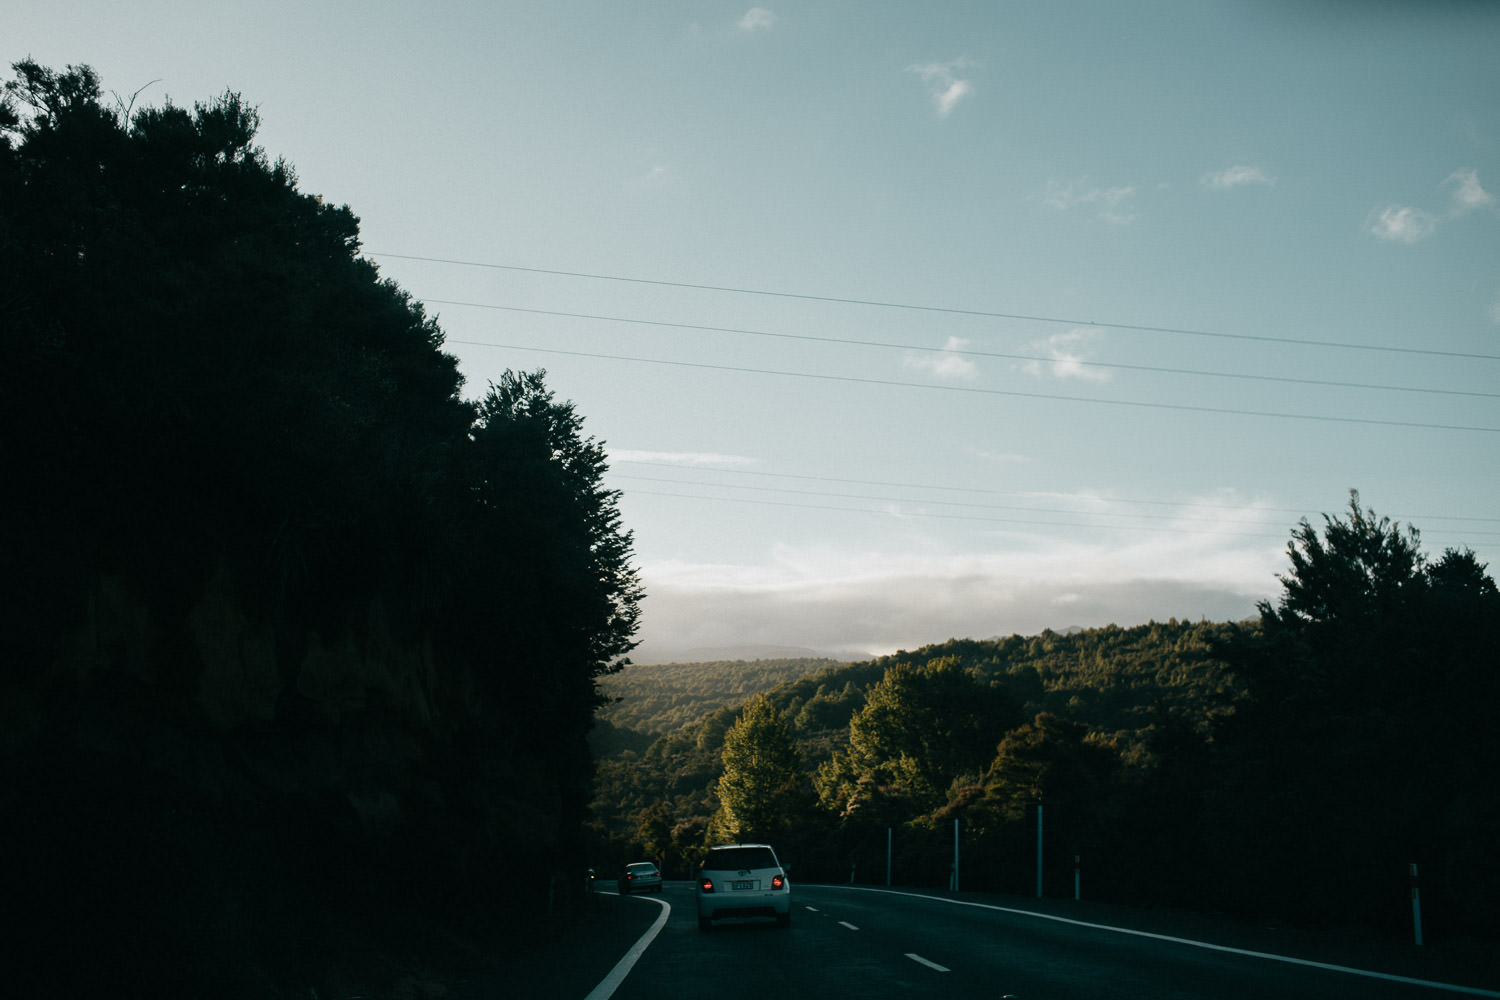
x,y
992,492
928,515
1155,369
1180,407
1138,328
927,502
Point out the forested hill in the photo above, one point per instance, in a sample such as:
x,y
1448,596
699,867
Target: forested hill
x,y
1350,721
1125,685
662,697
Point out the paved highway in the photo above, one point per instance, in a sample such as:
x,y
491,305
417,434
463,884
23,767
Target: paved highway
x,y
847,941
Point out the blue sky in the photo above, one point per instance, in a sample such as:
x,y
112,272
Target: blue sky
x,y
910,321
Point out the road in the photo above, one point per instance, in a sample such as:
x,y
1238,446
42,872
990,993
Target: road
x,y
847,941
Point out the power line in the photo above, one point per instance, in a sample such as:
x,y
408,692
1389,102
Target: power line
x,y
1299,511
981,506
974,390
1138,328
928,515
926,502
1155,369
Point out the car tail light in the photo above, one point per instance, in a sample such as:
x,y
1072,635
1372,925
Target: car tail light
x,y
778,882
706,884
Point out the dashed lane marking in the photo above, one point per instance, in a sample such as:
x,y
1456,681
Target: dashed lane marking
x,y
931,965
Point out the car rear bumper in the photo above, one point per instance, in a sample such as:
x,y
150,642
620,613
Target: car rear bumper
x,y
711,906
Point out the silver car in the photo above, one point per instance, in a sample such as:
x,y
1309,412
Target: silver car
x,y
640,876
743,880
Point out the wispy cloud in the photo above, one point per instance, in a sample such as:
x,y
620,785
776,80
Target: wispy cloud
x,y
756,19
1000,457
943,82
690,459
1402,224
1233,177
1407,224
945,364
1111,204
1069,353
1468,196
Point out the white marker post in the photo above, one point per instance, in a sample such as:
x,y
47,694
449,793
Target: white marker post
x,y
1416,906
1077,877
955,855
1038,850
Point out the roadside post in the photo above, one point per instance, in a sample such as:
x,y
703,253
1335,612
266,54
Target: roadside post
x,y
955,855
1038,850
888,857
1416,905
1077,877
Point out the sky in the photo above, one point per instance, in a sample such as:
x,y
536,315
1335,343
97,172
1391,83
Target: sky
x,y
907,322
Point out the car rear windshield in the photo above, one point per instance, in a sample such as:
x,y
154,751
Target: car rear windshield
x,y
736,858
641,867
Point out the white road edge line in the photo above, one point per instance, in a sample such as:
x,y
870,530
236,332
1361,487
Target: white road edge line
x,y
845,923
931,965
611,982
811,909
1348,970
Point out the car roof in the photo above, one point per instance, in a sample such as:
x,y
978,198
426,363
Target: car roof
x,y
725,847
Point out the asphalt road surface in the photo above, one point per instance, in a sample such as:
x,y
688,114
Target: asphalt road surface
x,y
848,942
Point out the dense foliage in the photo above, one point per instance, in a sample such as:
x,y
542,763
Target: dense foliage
x,y
1293,765
661,697
301,645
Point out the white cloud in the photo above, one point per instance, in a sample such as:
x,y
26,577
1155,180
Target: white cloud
x,y
1069,353
1402,224
1112,204
1468,196
1000,457
945,364
865,603
756,19
1233,177
943,83
691,459
1405,224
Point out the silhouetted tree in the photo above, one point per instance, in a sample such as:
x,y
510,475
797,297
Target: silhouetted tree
x,y
1354,754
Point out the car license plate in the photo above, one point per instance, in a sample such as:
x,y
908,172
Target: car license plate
x,y
743,884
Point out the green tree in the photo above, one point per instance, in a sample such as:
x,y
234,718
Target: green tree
x,y
763,790
921,728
